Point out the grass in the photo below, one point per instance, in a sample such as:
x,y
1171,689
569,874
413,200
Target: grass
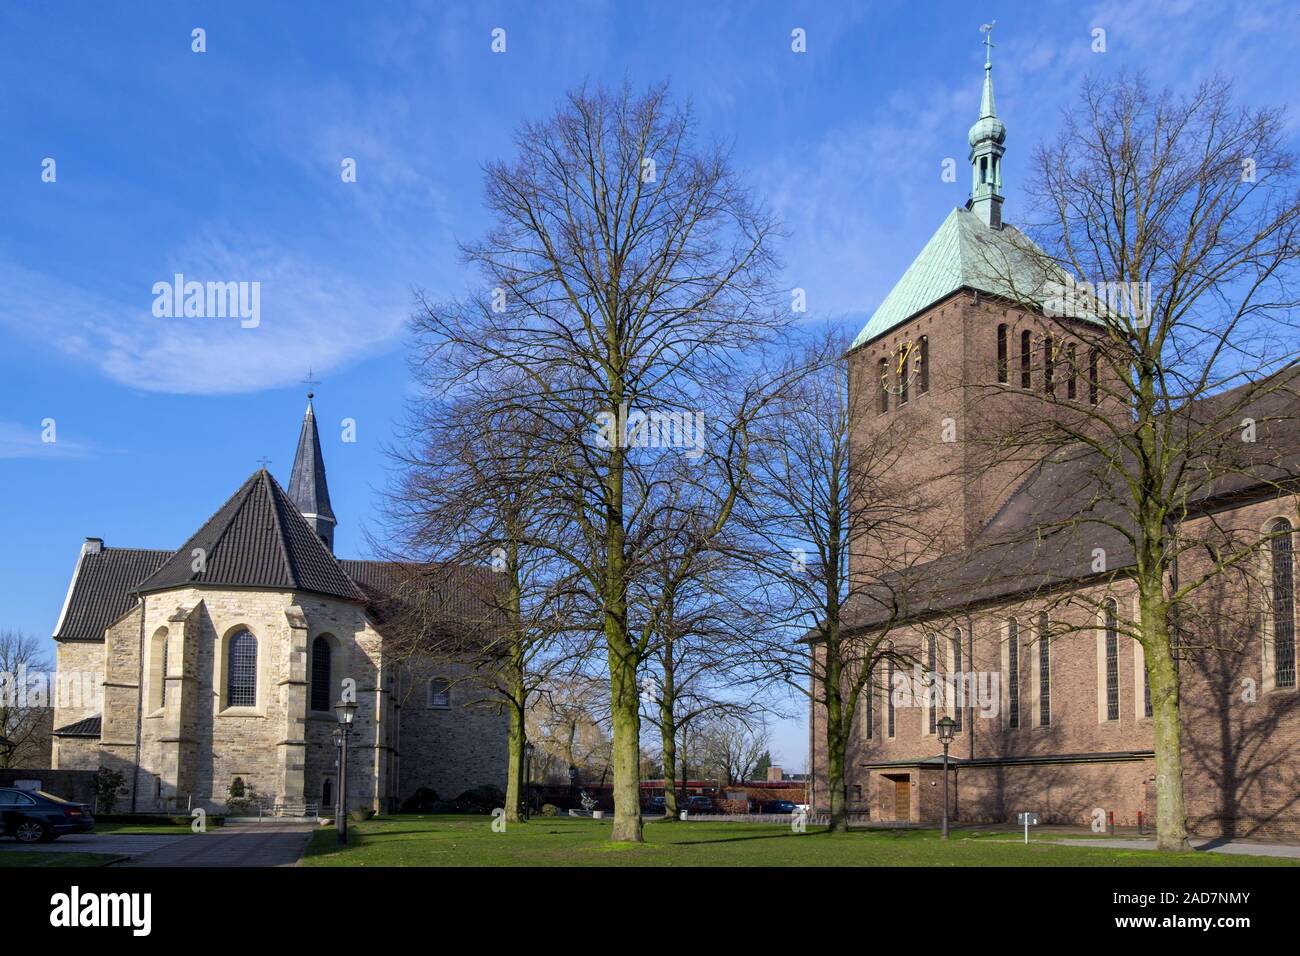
x,y
19,858
566,841
147,829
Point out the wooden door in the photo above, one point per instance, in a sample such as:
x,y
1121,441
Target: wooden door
x,y
902,800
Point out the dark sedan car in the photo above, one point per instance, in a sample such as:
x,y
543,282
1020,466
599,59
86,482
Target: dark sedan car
x,y
700,804
33,816
779,806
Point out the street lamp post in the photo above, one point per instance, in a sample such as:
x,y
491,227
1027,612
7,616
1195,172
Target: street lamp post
x,y
528,776
946,728
345,711
337,734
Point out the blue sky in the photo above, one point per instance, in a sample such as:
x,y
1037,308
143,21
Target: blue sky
x,y
226,165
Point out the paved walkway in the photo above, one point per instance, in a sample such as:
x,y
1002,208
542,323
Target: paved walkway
x,y
113,844
1202,844
280,844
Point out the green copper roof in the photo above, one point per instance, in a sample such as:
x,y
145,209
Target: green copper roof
x,y
964,253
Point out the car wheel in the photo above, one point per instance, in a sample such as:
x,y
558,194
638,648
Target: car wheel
x,y
30,831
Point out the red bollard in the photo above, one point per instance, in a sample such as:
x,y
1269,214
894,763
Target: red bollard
x,y
1141,828
1110,822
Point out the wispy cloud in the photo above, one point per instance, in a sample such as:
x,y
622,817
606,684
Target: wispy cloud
x,y
30,440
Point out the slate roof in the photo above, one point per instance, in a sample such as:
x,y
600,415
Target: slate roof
x,y
101,587
307,487
257,539
964,253
89,727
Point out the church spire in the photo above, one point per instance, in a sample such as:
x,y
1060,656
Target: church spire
x,y
986,149
307,488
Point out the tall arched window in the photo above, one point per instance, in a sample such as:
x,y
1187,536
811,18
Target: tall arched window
x,y
1049,365
1112,660
1092,376
959,680
924,358
1026,360
241,671
870,691
904,371
1003,367
1281,546
1071,372
162,681
884,385
1013,674
1044,673
933,664
320,674
889,702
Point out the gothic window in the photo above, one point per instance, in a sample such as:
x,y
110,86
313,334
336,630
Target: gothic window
x,y
884,385
931,654
870,691
959,682
889,696
1071,390
924,360
1112,660
1044,673
1049,365
320,674
1013,674
1283,599
241,674
440,693
1003,368
162,677
1092,376
904,372
1026,360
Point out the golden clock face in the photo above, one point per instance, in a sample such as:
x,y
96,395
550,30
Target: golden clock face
x,y
904,367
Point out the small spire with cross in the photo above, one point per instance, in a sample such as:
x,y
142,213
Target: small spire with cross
x,y
311,382
987,30
264,461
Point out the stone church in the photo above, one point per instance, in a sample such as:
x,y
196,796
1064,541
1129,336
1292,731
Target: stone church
x,y
986,591
222,661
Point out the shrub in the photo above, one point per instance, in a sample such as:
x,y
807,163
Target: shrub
x,y
550,810
361,816
422,801
109,784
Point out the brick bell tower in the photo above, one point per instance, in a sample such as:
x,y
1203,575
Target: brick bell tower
x,y
947,360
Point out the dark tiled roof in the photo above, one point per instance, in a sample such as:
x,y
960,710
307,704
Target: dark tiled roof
x,y
399,593
307,488
89,727
257,539
101,590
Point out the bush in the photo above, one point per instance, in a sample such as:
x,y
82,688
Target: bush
x,y
361,816
241,798
550,810
109,784
422,801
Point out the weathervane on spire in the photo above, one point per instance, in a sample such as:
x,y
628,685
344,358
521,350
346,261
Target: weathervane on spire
x,y
987,30
311,382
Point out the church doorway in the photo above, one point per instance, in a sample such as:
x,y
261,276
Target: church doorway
x,y
327,793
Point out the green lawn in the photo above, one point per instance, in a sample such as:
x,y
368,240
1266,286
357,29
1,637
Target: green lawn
x,y
566,841
15,858
150,829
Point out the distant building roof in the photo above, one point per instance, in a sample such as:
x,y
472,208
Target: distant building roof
x,y
258,538
964,253
88,727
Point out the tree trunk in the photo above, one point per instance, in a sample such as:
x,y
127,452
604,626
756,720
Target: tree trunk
x,y
1166,728
626,757
516,785
836,739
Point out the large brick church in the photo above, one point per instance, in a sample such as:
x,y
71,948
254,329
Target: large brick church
x,y
222,661
1068,734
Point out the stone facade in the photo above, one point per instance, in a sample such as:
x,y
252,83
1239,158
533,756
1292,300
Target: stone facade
x,y
192,744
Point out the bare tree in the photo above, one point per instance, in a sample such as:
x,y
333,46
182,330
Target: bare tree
x,y
1162,363
733,746
628,278
24,717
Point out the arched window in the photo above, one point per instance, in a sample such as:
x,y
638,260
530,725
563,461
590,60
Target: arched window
x,y
1049,365
1003,367
327,793
1044,673
933,664
320,674
889,698
924,359
439,693
1071,389
241,671
1112,660
158,670
959,680
904,371
1092,376
1281,547
1013,673
870,691
1026,360
162,677
884,385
